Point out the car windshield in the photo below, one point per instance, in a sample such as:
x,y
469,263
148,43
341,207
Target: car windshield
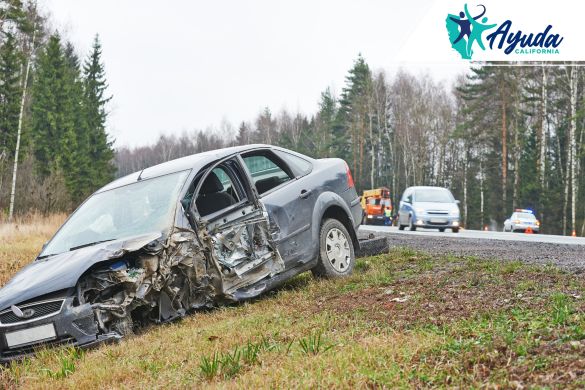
x,y
135,209
525,216
439,195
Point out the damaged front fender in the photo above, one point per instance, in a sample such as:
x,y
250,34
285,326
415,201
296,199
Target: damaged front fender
x,y
62,271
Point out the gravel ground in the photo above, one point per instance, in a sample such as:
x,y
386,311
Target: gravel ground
x,y
567,257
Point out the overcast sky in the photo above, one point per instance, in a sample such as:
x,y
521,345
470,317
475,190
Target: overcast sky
x,y
184,64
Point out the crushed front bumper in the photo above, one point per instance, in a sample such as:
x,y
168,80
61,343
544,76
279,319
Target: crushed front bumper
x,y
72,325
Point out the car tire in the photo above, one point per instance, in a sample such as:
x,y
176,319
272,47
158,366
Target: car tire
x,y
400,226
455,230
441,230
411,225
336,252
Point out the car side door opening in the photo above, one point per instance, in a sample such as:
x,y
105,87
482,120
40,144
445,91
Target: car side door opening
x,y
289,197
234,225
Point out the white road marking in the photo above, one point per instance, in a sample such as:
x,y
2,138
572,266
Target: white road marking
x,y
479,234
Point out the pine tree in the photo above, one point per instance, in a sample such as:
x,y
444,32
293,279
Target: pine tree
x,y
324,124
101,153
53,115
84,162
352,120
244,134
10,92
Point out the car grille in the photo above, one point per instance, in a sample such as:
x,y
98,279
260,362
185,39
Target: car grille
x,y
438,212
41,309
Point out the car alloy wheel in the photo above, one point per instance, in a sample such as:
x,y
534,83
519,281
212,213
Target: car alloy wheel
x,y
337,249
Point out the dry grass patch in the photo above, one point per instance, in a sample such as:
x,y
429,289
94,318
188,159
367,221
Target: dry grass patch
x,y
404,319
22,240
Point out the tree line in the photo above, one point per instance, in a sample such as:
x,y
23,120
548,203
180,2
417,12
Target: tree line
x,y
503,136
54,148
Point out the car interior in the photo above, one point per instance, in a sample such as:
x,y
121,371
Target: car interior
x,y
214,196
218,191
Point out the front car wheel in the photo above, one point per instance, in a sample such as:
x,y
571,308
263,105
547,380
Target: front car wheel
x,y
411,225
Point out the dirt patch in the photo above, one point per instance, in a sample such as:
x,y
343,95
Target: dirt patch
x,y
480,306
450,293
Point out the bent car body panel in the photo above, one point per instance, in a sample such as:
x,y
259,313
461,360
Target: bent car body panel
x,y
62,271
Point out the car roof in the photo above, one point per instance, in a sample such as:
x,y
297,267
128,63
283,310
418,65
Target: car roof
x,y
194,161
427,188
523,212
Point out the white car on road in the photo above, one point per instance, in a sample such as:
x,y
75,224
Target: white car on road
x,y
522,220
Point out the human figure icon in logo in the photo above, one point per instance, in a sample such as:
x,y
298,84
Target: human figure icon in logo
x,y
478,29
465,24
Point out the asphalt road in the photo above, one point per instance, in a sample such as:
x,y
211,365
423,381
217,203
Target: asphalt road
x,y
565,252
479,234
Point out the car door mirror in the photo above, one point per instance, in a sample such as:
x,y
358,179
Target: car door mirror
x,y
457,201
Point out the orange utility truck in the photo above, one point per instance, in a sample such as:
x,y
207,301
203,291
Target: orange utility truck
x,y
373,202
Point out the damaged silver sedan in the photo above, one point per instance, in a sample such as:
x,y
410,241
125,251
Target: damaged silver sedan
x,y
197,232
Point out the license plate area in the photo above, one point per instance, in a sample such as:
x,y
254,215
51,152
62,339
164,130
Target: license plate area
x,y
30,335
438,220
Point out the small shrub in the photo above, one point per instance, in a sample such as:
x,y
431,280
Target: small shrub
x,y
314,345
209,366
67,359
562,309
250,353
230,363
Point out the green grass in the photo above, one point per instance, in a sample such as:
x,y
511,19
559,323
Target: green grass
x,y
404,319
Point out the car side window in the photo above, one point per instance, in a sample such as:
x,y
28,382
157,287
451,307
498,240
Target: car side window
x,y
219,191
267,171
298,165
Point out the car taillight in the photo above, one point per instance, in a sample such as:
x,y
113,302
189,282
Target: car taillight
x,y
349,177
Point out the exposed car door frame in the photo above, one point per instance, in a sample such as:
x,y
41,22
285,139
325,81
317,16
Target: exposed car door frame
x,y
228,228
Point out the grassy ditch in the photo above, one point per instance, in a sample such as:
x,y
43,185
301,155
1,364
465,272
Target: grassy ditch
x,y
404,319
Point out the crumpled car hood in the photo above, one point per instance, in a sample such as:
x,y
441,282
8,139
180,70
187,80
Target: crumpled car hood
x,y
63,270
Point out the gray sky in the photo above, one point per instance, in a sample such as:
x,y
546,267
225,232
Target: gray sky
x,y
184,65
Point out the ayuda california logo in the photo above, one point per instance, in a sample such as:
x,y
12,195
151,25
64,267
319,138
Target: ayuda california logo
x,y
467,28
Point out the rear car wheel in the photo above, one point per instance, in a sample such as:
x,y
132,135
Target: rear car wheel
x,y
336,252
455,230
